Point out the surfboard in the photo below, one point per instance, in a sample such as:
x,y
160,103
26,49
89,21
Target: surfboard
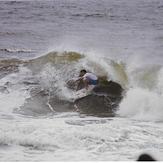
x,y
81,92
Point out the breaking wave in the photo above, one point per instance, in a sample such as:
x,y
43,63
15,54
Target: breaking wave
x,y
144,99
44,78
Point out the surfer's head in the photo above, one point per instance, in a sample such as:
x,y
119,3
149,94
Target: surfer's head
x,y
82,72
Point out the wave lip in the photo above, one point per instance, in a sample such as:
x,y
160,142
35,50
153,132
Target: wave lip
x,y
60,56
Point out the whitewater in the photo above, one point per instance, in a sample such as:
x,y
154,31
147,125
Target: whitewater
x,y
43,44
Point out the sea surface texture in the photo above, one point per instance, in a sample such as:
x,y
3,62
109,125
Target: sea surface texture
x,y
43,44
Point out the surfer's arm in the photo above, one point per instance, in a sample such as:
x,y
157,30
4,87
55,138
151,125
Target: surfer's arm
x,y
80,78
78,81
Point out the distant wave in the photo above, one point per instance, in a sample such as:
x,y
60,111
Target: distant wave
x,y
89,15
6,33
14,50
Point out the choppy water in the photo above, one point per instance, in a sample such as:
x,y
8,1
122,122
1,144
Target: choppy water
x,y
45,43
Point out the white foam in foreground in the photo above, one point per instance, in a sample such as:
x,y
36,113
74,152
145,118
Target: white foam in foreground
x,y
78,139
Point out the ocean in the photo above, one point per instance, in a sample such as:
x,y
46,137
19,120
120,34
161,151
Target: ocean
x,y
43,44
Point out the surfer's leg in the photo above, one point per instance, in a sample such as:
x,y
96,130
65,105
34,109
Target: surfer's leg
x,y
80,85
86,83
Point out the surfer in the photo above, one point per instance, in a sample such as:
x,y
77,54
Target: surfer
x,y
87,78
